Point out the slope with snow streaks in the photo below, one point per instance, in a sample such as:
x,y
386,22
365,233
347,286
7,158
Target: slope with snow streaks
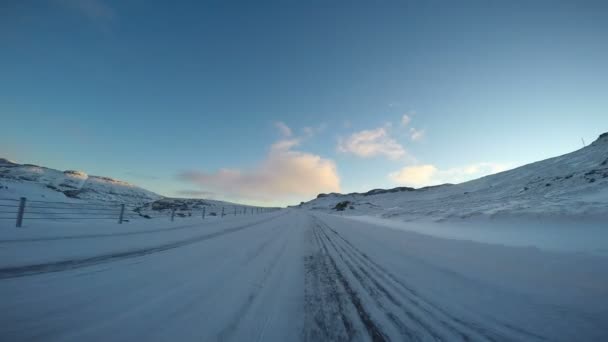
x,y
572,185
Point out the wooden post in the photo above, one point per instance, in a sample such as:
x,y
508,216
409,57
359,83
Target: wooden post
x,y
20,212
234,211
222,211
172,214
204,208
122,213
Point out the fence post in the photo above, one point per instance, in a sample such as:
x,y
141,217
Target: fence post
x,y
172,214
204,208
222,211
122,213
20,212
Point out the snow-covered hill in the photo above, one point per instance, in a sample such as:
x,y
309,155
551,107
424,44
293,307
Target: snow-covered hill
x,y
37,182
574,185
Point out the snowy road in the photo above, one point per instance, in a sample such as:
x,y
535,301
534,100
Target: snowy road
x,y
292,275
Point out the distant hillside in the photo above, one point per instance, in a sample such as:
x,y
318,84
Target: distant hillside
x,y
571,185
42,183
38,181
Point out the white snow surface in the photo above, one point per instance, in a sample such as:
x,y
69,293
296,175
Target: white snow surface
x,y
289,275
37,182
572,187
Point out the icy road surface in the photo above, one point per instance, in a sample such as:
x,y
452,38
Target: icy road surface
x,y
292,275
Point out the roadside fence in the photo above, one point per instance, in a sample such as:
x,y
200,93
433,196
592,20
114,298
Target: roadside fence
x,y
24,209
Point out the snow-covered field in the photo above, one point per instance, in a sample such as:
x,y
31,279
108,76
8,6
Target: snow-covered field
x,y
290,275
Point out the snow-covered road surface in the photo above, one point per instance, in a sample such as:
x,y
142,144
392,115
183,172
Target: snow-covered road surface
x,y
292,275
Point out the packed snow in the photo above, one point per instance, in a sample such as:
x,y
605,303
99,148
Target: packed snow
x,y
293,275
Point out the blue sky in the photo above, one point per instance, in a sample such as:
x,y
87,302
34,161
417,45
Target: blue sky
x,y
270,103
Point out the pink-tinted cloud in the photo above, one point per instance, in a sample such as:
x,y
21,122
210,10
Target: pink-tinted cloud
x,y
284,176
424,175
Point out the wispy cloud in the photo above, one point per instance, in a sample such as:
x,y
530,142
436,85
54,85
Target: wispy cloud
x,y
283,129
424,175
405,120
417,134
310,131
371,143
283,175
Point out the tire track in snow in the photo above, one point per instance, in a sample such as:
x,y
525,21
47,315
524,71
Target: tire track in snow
x,y
325,318
333,296
378,294
403,296
28,270
392,307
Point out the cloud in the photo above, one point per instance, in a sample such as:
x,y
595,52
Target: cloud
x,y
283,129
284,175
371,143
425,175
417,134
419,175
405,120
309,131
